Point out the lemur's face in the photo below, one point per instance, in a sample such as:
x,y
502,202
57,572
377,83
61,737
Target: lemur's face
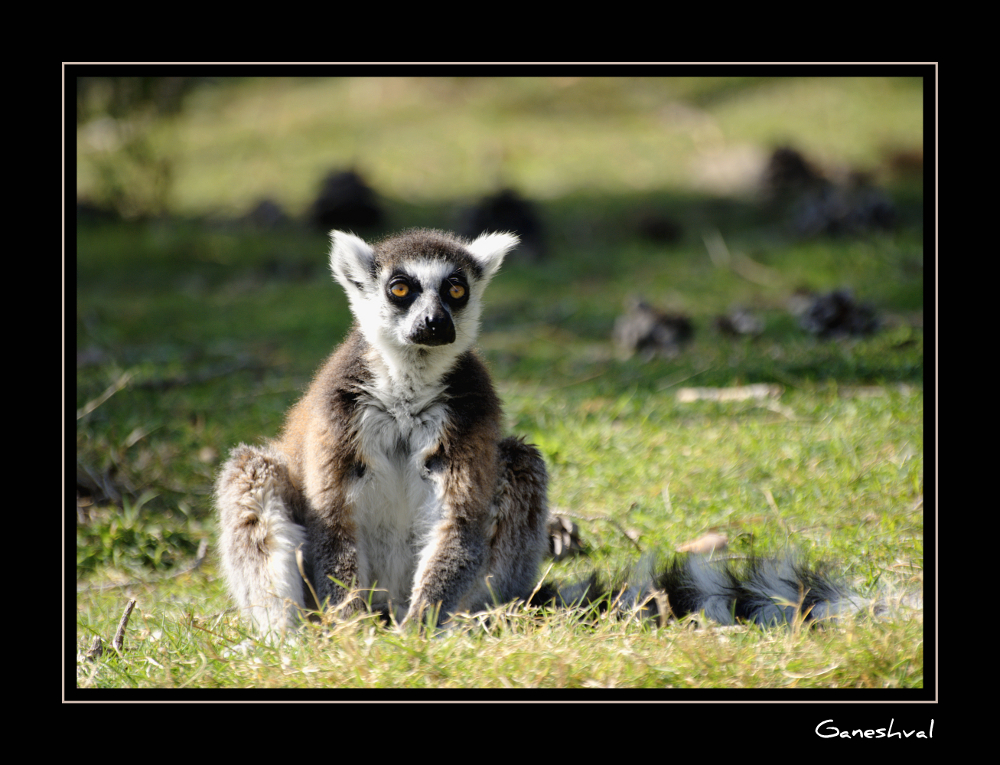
x,y
426,300
421,289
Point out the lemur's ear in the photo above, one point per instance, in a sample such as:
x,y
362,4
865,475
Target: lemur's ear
x,y
352,261
489,251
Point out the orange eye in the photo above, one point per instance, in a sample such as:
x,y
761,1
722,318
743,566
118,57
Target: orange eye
x,y
456,291
400,289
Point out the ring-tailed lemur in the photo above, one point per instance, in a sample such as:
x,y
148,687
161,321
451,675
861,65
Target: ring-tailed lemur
x,y
391,473
392,478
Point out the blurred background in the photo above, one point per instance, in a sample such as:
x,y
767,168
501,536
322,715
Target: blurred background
x,y
714,230
221,149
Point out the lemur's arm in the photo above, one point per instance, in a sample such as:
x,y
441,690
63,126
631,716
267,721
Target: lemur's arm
x,y
466,466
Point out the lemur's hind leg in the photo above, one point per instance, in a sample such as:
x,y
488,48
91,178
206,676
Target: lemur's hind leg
x,y
518,535
257,505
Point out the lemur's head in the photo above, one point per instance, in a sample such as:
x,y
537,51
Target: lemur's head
x,y
421,289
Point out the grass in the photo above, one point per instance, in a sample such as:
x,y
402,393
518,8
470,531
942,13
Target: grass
x,y
192,336
519,651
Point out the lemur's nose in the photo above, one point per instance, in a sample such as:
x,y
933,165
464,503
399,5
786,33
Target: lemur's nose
x,y
436,328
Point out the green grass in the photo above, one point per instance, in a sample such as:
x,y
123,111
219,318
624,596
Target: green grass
x,y
201,336
522,650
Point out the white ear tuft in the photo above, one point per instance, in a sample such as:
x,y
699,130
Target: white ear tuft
x,y
489,251
351,260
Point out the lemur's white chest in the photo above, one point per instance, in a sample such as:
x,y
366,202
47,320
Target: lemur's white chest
x,y
396,502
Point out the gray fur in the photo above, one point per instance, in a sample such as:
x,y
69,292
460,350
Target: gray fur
x,y
391,475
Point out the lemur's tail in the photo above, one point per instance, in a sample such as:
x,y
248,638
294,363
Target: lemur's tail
x,y
756,590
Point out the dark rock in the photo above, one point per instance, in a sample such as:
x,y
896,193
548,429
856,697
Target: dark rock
x,y
345,202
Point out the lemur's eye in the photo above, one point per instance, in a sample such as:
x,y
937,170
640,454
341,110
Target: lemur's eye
x,y
456,291
400,289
